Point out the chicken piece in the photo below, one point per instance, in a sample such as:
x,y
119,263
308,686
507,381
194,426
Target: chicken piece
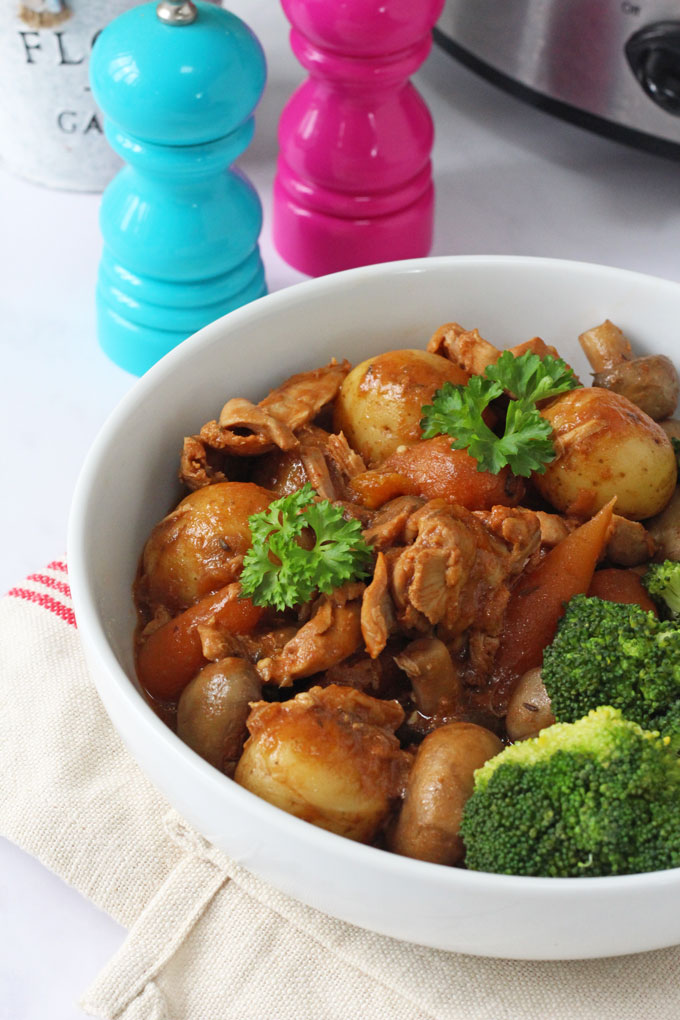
x,y
329,756
317,472
473,353
536,346
197,468
218,643
379,677
301,397
359,672
456,574
332,633
377,611
423,586
554,528
435,680
650,382
464,347
246,429
629,543
347,460
284,471
321,458
520,533
387,527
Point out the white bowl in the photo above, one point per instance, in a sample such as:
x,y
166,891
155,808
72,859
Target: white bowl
x,y
129,482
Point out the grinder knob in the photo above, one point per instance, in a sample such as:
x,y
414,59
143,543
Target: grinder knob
x,y
654,56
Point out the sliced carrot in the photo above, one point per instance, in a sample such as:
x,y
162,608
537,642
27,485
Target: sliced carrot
x,y
433,470
378,487
617,585
172,655
537,602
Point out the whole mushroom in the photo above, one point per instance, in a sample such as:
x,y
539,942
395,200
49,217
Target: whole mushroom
x,y
650,382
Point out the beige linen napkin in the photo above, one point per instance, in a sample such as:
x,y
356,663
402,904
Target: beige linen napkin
x,y
207,940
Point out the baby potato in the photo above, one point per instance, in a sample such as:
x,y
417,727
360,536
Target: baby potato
x,y
606,446
329,756
379,404
199,547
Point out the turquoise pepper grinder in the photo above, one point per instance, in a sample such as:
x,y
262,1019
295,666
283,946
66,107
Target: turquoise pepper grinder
x,y
178,83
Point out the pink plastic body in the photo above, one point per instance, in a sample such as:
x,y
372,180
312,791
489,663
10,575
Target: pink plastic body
x,y
354,179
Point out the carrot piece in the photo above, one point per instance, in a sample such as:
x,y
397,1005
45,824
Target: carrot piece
x,y
376,488
617,585
537,602
172,655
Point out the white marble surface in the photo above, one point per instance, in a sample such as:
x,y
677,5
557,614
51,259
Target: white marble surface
x,y
509,179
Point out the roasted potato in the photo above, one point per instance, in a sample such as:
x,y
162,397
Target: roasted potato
x,y
330,756
379,404
606,447
200,546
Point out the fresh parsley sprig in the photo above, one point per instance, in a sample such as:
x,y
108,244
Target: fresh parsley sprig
x,y
279,571
531,378
525,445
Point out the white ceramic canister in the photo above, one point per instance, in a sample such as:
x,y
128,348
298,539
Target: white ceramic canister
x,y
51,131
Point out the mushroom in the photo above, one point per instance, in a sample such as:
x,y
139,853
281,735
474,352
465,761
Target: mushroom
x,y
441,780
213,708
650,382
529,709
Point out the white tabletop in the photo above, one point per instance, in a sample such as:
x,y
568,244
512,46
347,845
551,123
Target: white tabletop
x,y
509,179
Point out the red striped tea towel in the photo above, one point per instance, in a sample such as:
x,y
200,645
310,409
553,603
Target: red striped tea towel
x,y
207,940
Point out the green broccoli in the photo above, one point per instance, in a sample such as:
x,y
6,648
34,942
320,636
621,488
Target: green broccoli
x,y
662,581
607,653
596,797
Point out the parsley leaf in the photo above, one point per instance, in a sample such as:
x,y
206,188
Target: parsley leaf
x,y
532,378
457,411
526,445
279,571
676,448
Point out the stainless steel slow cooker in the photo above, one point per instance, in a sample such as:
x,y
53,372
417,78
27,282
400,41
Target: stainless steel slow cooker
x,y
610,65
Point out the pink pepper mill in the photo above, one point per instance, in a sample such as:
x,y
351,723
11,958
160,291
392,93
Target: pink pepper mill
x,y
354,179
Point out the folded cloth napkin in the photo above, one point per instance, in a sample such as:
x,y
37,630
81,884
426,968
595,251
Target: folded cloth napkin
x,y
207,940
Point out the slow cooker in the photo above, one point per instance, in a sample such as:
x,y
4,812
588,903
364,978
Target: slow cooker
x,y
609,65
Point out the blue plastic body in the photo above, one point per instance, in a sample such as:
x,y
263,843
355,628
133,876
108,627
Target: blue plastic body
x,y
180,225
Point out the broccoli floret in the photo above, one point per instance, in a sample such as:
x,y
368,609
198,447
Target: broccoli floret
x,y
596,797
662,581
607,653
